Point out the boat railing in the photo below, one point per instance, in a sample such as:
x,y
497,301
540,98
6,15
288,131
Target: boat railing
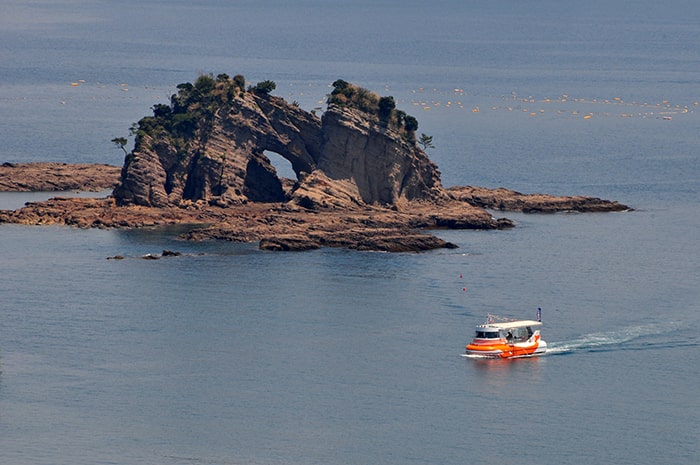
x,y
491,318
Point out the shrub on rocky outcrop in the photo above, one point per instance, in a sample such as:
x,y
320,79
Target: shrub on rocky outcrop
x,y
384,109
264,87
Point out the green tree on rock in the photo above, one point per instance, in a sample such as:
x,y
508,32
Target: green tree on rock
x,y
120,142
426,141
386,106
264,87
410,123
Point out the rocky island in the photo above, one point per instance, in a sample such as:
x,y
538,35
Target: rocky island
x,y
362,181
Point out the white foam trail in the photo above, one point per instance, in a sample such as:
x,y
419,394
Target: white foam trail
x,y
611,339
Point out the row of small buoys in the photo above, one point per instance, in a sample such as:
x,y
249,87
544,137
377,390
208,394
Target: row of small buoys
x,y
432,98
585,108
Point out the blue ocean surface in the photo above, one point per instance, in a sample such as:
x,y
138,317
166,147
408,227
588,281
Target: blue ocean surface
x,y
227,354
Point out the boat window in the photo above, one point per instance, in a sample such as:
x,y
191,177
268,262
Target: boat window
x,y
486,335
521,334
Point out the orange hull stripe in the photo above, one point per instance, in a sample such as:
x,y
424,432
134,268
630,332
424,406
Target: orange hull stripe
x,y
504,349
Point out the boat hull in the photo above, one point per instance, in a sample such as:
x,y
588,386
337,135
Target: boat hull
x,y
507,339
507,350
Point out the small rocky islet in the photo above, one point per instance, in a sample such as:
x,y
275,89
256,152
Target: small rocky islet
x,y
362,180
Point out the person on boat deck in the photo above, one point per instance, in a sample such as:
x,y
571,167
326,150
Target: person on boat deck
x,y
509,336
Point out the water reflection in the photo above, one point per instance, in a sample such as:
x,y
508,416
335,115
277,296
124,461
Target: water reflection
x,y
496,374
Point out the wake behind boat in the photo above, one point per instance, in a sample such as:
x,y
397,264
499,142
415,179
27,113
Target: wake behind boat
x,y
505,338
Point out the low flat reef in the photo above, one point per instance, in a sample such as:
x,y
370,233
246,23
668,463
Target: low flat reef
x,y
503,199
55,177
277,226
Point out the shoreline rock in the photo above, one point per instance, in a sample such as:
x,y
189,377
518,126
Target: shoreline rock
x,y
287,227
275,226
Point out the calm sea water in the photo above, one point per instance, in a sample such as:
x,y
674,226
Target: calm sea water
x,y
230,355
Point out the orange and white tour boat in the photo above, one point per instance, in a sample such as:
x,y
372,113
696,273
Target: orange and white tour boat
x,y
505,338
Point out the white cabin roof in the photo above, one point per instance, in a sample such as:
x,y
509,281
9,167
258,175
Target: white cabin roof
x,y
510,324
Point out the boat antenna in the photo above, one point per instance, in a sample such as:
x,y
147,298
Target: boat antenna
x,y
539,314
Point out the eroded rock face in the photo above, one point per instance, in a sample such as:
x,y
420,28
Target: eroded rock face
x,y
223,163
386,168
350,155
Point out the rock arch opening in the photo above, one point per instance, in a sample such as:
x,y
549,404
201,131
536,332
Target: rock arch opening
x,y
282,165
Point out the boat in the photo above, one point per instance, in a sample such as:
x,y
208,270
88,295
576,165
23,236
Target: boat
x,y
506,338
